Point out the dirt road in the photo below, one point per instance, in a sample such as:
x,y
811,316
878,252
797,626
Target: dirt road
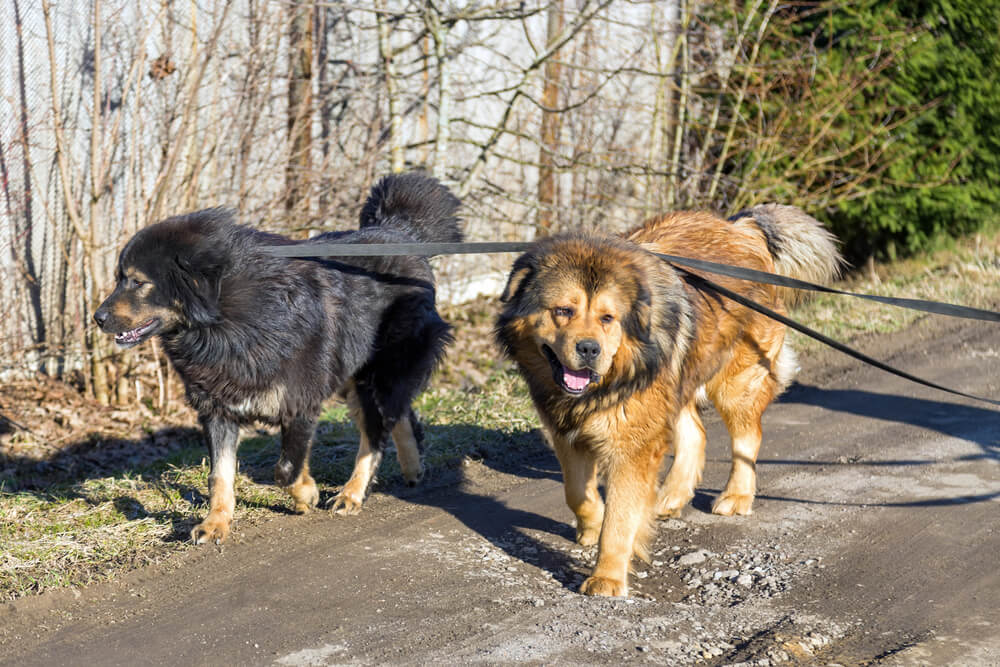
x,y
874,541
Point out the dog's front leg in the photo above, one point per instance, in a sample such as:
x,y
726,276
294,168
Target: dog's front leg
x,y
579,468
292,469
222,436
627,527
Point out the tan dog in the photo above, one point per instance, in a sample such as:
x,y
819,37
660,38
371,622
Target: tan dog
x,y
615,344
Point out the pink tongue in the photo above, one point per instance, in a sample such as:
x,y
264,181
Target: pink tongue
x,y
576,380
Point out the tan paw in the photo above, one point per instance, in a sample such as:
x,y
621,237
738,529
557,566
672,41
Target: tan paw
x,y
345,505
588,535
215,528
729,504
306,497
603,586
413,476
672,505
669,510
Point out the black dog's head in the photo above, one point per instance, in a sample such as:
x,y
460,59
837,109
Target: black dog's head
x,y
168,277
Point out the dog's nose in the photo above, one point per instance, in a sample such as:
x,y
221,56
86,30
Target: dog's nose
x,y
101,316
588,349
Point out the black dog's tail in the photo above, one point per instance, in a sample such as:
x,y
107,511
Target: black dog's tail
x,y
415,204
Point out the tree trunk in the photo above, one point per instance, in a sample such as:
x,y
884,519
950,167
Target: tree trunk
x,y
679,113
323,90
423,122
97,344
26,231
391,89
665,51
548,183
439,32
297,171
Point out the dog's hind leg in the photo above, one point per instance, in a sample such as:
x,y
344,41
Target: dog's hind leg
x,y
222,437
398,374
737,497
408,435
689,461
366,416
380,396
741,393
292,469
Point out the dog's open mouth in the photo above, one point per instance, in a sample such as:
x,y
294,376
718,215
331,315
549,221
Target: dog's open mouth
x,y
572,382
137,335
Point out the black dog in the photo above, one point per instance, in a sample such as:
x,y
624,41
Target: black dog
x,y
259,337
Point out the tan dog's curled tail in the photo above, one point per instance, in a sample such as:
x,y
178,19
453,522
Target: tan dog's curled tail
x,y
801,247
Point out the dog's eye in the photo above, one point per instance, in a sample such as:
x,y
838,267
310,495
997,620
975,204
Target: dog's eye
x,y
607,319
562,311
132,283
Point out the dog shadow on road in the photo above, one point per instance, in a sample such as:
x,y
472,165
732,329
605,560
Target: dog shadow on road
x,y
979,426
161,475
973,424
465,489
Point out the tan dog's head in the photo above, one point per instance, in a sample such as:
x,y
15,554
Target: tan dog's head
x,y
167,277
579,307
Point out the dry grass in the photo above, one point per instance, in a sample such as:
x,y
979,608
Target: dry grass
x,y
966,273
96,508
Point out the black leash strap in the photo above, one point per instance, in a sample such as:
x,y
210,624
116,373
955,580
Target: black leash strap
x,y
307,249
431,249
324,249
783,281
702,282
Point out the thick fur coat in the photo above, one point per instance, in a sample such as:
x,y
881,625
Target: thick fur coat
x,y
257,337
616,345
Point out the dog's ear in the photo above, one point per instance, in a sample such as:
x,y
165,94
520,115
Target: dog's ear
x,y
639,321
198,285
520,276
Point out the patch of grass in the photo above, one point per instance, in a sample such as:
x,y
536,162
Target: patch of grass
x,y
74,528
74,534
71,533
492,423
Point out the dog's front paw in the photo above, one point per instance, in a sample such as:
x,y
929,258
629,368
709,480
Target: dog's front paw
x,y
215,528
605,587
587,535
729,504
345,504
